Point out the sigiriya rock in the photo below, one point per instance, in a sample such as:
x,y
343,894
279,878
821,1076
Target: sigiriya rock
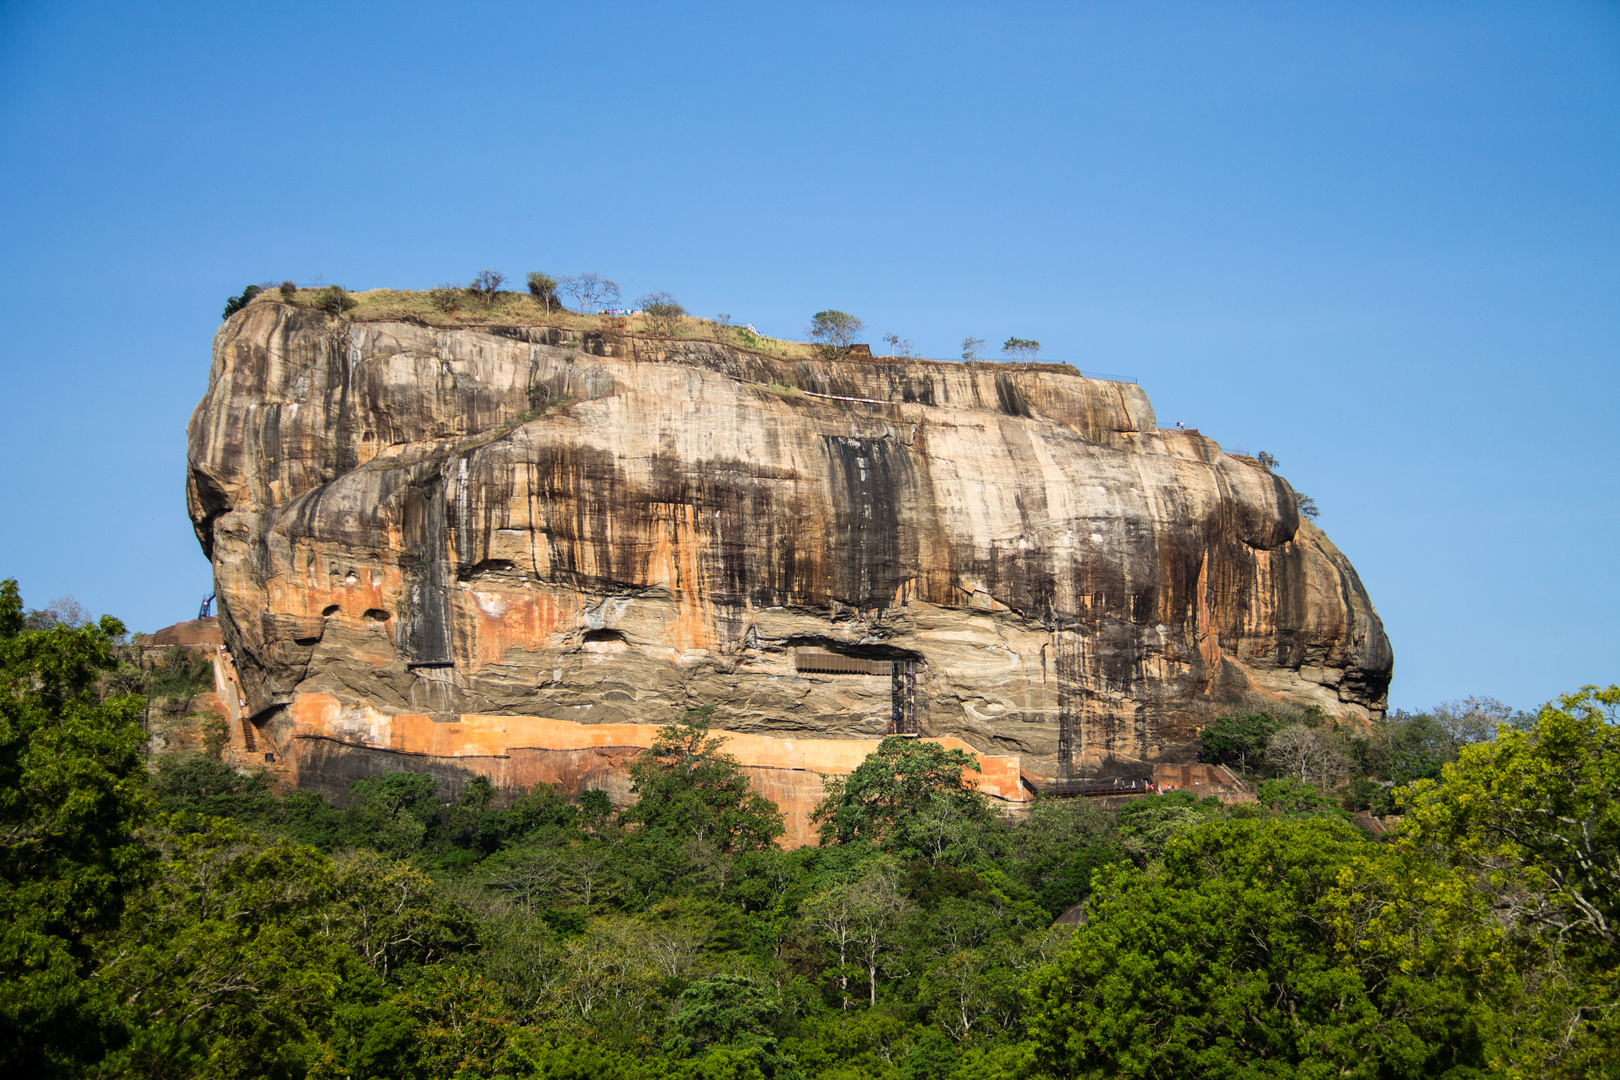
x,y
471,545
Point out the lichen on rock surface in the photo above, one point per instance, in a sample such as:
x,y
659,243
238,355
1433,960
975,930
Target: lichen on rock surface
x,y
606,528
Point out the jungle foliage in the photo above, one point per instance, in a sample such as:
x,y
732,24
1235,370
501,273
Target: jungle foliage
x,y
1358,767
181,919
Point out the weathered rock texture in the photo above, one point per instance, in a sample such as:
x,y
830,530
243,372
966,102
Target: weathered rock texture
x,y
1013,555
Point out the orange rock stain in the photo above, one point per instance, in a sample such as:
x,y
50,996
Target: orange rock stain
x,y
788,771
502,620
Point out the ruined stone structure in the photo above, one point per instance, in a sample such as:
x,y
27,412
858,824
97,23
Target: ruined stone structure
x,y
459,526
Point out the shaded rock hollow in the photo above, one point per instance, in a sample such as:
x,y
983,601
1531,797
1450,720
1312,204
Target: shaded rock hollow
x,y
472,523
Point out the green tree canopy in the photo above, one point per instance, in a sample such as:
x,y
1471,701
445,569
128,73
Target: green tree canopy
x,y
225,968
192,784
237,303
1237,740
1018,348
1286,795
1147,824
901,794
725,1009
72,797
1533,817
689,788
543,287
1058,846
1251,954
395,810
1416,747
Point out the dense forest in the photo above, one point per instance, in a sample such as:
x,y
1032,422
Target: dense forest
x,y
172,917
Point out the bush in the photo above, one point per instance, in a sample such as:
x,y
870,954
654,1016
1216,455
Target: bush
x,y
199,785
1370,795
487,285
1290,796
237,303
1237,740
288,290
335,300
445,297
542,402
543,287
664,312
179,673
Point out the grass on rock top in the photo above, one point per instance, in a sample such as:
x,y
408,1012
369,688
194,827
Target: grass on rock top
x,y
521,309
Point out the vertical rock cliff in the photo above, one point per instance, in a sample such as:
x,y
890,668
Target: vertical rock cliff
x,y
468,524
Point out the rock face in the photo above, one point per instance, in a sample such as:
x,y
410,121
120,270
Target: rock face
x,y
608,530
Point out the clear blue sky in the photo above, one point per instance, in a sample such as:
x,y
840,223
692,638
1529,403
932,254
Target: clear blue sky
x,y
1380,241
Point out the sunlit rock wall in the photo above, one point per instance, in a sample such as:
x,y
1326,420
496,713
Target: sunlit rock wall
x,y
1015,555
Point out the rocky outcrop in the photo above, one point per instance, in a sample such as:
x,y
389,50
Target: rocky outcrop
x,y
609,530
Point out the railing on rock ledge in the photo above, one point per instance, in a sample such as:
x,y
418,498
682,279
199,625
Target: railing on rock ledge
x,y
1086,786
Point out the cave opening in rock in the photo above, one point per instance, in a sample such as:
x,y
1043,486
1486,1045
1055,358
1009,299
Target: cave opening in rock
x,y
608,641
898,666
487,566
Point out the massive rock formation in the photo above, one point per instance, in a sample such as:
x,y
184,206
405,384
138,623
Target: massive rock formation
x,y
475,523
